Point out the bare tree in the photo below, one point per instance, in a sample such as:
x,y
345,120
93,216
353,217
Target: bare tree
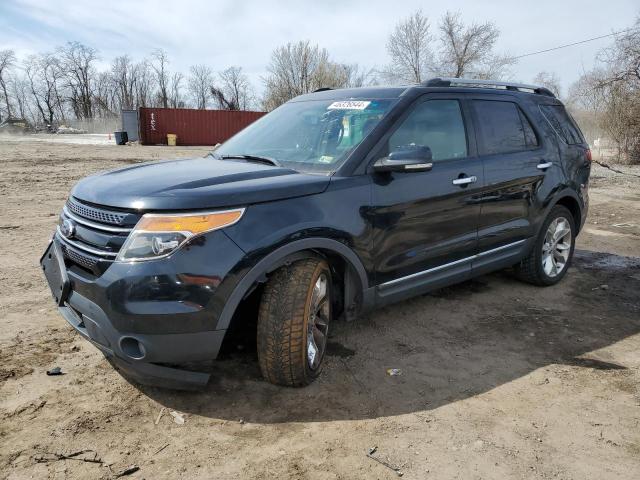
x,y
159,64
144,84
620,88
198,84
105,95
623,57
467,50
78,65
7,61
124,81
612,91
19,91
409,47
549,80
234,90
175,91
45,74
298,68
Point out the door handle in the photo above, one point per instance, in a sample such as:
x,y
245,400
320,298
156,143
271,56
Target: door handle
x,y
544,165
465,180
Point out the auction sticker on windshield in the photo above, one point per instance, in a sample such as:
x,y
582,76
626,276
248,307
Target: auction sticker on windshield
x,y
349,105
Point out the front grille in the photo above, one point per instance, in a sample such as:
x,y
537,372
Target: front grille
x,y
86,261
95,240
95,214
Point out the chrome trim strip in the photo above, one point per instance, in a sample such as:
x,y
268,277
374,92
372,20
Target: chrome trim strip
x,y
97,226
418,166
84,248
503,247
424,272
451,264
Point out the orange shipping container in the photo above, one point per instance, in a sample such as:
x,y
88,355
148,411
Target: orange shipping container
x,y
193,127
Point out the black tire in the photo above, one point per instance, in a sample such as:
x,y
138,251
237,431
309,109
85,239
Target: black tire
x,y
530,269
284,322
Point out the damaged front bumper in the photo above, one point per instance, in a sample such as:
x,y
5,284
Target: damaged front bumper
x,y
145,318
142,357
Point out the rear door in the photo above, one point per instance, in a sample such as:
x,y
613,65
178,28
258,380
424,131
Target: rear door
x,y
515,164
425,223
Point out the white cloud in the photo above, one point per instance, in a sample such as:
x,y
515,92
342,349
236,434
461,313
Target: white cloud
x,y
222,33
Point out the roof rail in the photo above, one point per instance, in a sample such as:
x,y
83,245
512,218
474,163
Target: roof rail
x,y
322,89
480,83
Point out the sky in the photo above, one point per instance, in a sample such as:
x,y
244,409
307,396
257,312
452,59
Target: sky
x,y
221,33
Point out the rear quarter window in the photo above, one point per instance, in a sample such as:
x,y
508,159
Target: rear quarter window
x,y
503,128
562,123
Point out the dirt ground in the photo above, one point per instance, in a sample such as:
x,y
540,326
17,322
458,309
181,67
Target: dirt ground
x,y
499,379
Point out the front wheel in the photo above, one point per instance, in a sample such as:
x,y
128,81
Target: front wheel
x,y
293,323
551,256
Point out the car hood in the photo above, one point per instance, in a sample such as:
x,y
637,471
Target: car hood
x,y
195,183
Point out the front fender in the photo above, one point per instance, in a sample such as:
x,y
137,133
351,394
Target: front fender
x,y
279,257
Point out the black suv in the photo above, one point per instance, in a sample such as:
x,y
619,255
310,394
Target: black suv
x,y
336,202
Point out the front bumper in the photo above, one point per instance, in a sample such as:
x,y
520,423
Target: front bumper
x,y
146,315
138,355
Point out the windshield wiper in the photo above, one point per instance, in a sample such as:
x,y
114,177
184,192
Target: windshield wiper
x,y
251,158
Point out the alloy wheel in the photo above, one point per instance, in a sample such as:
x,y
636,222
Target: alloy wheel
x,y
556,247
318,324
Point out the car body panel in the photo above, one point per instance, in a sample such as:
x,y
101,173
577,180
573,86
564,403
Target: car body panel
x,y
195,184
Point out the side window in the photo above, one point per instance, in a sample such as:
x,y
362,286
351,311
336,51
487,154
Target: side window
x,y
529,134
436,124
503,127
562,123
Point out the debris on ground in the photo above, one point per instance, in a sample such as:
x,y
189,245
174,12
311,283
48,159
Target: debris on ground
x,y
128,471
31,408
623,225
177,417
394,372
55,371
160,415
161,448
373,450
79,456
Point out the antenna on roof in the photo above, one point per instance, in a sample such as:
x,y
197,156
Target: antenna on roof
x,y
480,83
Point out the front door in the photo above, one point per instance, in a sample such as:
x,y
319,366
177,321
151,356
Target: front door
x,y
425,223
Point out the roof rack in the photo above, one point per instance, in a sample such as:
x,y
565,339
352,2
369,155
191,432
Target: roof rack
x,y
480,83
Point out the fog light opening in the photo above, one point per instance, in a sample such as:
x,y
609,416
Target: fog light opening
x,y
132,348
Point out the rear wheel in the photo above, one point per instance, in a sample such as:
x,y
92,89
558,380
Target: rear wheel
x,y
293,323
549,260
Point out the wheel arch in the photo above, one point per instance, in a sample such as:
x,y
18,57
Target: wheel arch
x,y
569,199
355,275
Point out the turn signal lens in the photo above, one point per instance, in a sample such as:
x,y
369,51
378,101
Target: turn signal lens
x,y
158,235
192,223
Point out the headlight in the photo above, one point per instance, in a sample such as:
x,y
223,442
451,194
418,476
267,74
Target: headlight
x,y
158,235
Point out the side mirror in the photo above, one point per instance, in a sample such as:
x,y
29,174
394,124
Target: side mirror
x,y
406,158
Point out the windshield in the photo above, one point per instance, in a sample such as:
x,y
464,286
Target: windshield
x,y
311,136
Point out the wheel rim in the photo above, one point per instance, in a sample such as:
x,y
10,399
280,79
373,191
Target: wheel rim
x,y
318,325
556,247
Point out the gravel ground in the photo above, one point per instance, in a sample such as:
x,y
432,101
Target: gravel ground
x,y
499,379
